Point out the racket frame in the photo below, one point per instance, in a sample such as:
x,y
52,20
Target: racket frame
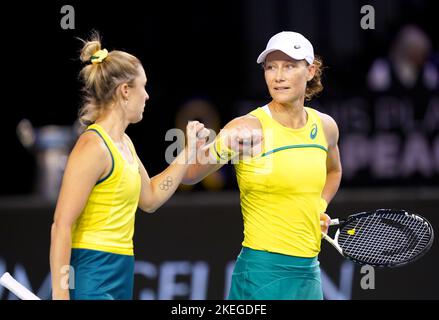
x,y
341,222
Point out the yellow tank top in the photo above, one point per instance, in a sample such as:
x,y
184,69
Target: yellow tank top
x,y
280,189
107,221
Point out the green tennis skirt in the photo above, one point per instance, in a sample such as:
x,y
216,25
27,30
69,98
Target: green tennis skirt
x,y
101,275
262,275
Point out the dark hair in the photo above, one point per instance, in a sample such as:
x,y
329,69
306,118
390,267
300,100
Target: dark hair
x,y
314,86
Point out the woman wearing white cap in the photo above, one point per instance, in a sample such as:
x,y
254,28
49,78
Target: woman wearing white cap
x,y
286,187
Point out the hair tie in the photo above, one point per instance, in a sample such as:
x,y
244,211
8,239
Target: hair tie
x,y
99,56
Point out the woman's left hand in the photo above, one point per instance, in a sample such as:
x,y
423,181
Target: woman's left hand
x,y
196,135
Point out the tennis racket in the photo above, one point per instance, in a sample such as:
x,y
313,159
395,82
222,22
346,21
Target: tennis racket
x,y
17,288
382,238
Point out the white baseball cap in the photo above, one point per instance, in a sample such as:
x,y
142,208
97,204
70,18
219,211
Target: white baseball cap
x,y
292,44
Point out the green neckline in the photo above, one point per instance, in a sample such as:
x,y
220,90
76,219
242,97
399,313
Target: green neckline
x,y
295,147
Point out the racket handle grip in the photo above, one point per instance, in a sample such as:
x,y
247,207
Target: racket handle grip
x,y
333,222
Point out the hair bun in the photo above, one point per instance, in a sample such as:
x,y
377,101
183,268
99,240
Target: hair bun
x,y
92,45
89,49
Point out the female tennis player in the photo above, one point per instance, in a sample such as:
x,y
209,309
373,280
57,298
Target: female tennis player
x,y
105,182
286,187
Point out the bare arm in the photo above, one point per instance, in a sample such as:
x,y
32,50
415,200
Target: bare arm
x,y
333,164
157,190
333,167
87,163
197,172
239,129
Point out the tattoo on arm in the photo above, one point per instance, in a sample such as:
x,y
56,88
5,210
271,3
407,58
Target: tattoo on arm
x,y
166,184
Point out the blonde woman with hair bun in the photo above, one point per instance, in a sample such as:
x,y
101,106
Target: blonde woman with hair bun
x,y
91,252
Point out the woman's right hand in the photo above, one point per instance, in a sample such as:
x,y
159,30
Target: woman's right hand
x,y
243,140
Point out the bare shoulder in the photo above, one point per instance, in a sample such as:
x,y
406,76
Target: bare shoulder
x,y
327,120
90,144
247,120
88,161
330,127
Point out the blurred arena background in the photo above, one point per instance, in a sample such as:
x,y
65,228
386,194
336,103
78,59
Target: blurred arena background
x,y
381,86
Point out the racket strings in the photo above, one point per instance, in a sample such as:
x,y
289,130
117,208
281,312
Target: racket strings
x,y
411,242
398,243
383,239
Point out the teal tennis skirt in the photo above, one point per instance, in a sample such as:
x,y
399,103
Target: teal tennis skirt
x,y
101,275
262,275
